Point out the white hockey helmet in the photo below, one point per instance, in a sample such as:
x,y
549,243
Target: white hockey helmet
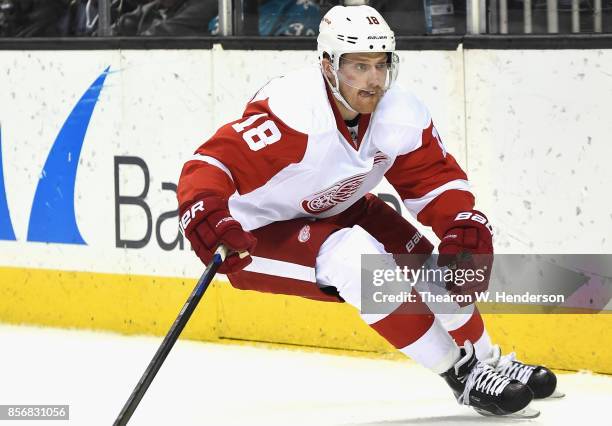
x,y
355,29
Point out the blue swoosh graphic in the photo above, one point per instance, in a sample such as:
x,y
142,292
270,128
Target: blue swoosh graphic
x,y
6,227
52,218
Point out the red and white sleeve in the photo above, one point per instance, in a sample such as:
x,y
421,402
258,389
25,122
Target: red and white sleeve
x,y
431,184
242,155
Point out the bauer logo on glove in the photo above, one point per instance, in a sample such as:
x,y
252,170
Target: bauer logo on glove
x,y
467,246
208,223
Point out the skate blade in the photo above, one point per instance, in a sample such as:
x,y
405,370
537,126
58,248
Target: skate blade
x,y
555,395
526,413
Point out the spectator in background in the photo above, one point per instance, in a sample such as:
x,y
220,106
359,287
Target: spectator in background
x,y
9,17
284,17
404,16
55,18
289,17
82,17
409,17
167,18
32,18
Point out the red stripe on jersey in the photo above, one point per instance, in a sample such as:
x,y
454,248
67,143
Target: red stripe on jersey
x,y
407,324
197,178
245,152
421,171
471,330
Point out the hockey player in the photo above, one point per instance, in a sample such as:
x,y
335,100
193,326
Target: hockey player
x,y
289,183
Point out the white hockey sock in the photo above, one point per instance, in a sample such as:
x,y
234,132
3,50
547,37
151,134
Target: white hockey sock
x,y
483,346
435,350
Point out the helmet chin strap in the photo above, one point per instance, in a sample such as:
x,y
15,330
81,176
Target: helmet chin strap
x,y
336,92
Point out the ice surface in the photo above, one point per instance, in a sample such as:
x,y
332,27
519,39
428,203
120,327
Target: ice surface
x,y
215,384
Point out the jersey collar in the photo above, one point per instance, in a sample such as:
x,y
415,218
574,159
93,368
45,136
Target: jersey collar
x,y
364,121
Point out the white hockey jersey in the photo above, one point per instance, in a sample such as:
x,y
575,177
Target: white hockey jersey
x,y
291,155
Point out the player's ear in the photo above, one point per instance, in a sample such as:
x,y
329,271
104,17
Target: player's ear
x,y
327,68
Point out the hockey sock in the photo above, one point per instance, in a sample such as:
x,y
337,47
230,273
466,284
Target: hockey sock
x,y
468,325
420,336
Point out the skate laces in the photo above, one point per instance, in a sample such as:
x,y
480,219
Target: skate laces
x,y
483,378
509,366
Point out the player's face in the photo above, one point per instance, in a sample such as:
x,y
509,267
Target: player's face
x,y
362,78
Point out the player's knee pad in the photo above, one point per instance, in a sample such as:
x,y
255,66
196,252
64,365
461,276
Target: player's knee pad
x,y
339,261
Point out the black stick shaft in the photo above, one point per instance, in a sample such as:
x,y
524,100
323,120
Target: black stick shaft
x,y
169,340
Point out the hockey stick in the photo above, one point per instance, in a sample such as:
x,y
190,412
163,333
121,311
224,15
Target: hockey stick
x,y
172,336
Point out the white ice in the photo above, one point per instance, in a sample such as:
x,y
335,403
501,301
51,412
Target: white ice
x,y
215,384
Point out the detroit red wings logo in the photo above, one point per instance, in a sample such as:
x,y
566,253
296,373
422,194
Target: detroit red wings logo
x,y
304,234
338,193
324,200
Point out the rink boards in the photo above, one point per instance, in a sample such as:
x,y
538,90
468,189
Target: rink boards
x,y
92,144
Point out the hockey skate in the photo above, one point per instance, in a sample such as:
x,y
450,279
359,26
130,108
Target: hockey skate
x,y
490,393
541,380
